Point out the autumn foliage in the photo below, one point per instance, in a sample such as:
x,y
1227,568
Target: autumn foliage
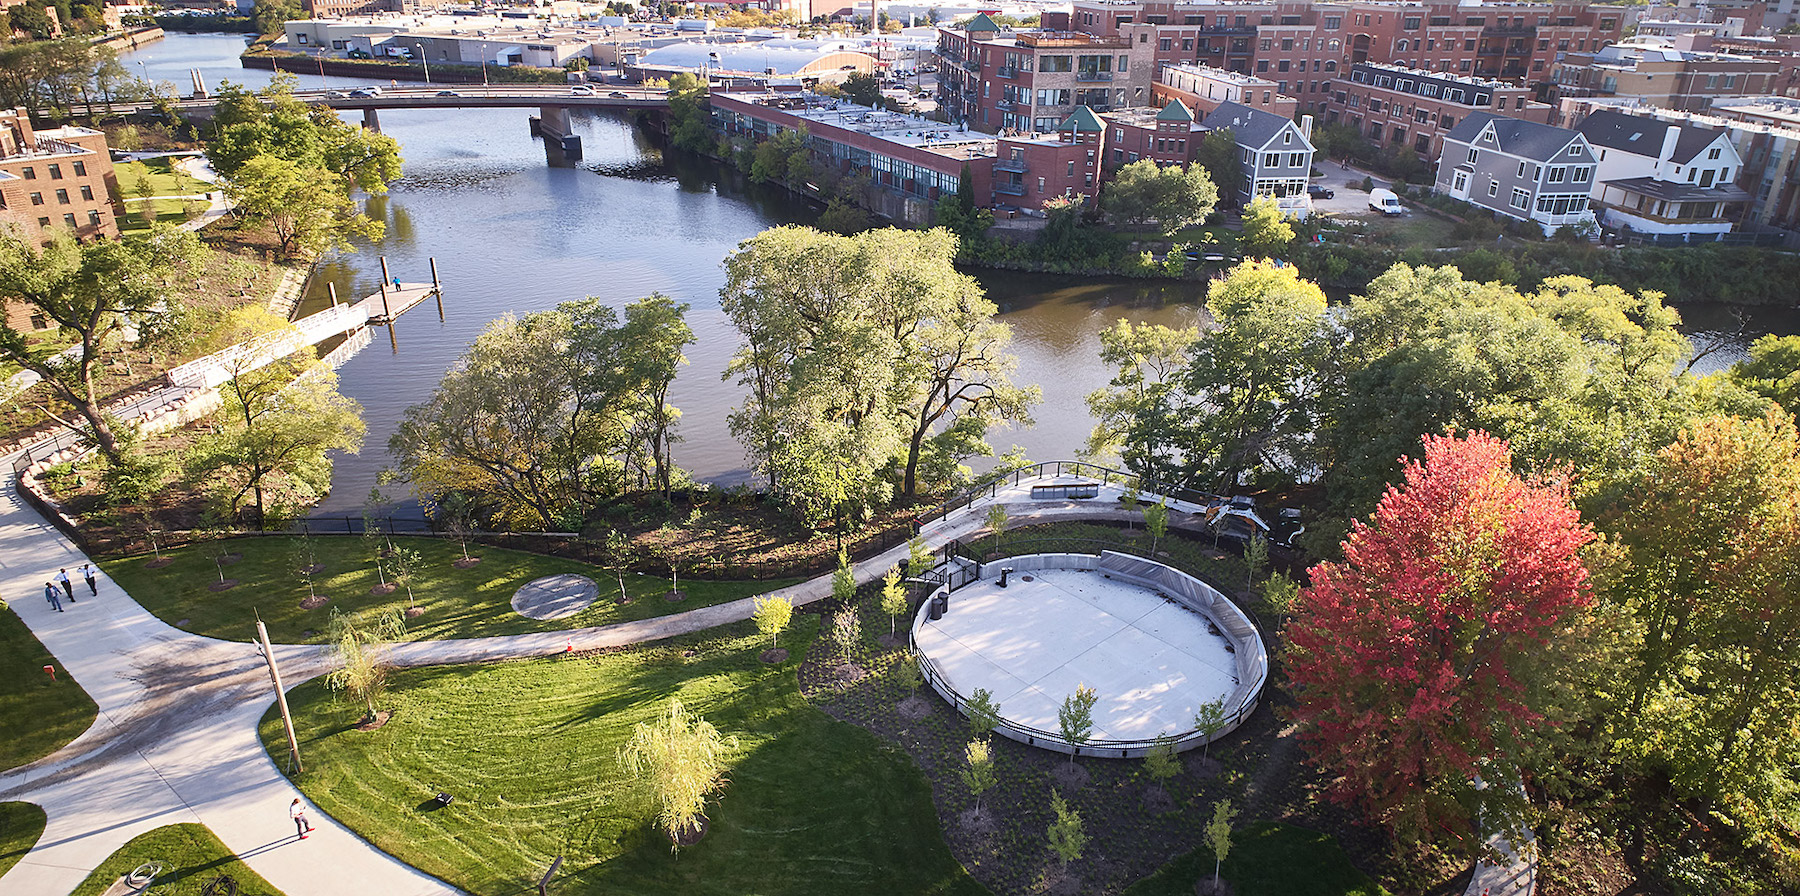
x,y
1408,658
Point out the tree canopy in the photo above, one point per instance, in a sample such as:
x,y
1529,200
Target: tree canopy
x,y
1175,197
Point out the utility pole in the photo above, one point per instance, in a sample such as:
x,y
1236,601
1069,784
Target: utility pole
x,y
287,719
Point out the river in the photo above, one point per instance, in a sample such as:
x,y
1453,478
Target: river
x,y
512,235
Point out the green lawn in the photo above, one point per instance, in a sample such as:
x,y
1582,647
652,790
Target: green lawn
x,y
191,857
529,750
1267,859
37,714
161,178
458,603
20,826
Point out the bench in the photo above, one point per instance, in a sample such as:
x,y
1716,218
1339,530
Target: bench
x,y
1069,490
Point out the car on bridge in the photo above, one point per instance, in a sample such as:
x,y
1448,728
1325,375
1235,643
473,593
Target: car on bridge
x,y
448,93
583,90
619,95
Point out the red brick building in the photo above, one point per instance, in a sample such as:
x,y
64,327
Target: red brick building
x,y
1394,106
998,81
56,180
1166,136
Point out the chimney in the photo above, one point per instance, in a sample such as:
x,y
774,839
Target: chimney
x,y
1670,136
1306,127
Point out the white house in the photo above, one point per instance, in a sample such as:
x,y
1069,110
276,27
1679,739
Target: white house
x,y
1664,177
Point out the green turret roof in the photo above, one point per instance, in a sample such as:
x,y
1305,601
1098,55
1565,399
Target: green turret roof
x,y
1175,111
1083,119
981,22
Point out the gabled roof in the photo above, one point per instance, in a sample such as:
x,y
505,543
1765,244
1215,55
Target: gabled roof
x,y
1252,127
981,22
1525,139
1176,110
1644,136
1082,119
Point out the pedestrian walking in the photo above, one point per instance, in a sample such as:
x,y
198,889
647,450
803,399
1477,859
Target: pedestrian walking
x,y
298,813
50,595
87,572
68,587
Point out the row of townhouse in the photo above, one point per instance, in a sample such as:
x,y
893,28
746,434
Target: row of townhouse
x,y
910,162
1302,48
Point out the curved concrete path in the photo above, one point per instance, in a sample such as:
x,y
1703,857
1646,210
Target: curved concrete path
x,y
176,739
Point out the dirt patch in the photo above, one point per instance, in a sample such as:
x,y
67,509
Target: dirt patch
x,y
388,588
223,585
694,834
774,655
314,569
1156,801
914,708
158,563
891,641
1070,776
314,601
466,562
978,823
371,724
414,612
674,596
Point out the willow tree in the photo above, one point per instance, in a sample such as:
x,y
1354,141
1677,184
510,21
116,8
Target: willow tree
x,y
681,758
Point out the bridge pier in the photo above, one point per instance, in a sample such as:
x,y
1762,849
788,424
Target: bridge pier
x,y
561,146
371,121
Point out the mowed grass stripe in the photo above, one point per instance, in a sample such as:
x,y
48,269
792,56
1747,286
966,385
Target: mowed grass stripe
x,y
529,750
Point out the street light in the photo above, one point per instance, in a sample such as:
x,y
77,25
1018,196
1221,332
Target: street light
x,y
424,62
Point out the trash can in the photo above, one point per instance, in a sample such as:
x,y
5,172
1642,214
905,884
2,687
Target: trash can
x,y
940,604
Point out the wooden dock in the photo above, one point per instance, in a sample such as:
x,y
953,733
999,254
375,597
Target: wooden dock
x,y
384,306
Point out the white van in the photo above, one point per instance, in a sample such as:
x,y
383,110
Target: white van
x,y
1385,202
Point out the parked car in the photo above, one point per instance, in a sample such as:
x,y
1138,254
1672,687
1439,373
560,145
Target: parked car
x,y
1319,192
1386,202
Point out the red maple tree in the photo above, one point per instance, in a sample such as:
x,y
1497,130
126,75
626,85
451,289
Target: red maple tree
x,y
1406,657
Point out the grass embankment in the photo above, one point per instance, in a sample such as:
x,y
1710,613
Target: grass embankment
x,y
38,715
191,856
21,824
458,603
1267,859
529,750
157,179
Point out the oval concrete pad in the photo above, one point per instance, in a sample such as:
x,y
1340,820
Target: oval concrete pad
x,y
553,597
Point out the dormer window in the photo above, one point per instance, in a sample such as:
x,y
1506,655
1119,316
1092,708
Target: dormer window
x,y
1288,137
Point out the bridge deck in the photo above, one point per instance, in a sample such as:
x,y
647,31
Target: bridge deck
x,y
399,301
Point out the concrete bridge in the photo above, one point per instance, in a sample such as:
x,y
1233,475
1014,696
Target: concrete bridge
x,y
553,102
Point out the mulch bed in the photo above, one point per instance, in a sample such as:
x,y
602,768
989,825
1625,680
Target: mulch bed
x,y
386,588
225,585
466,562
1134,825
314,602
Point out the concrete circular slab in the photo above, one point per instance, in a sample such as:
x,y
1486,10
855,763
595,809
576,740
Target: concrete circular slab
x,y
553,597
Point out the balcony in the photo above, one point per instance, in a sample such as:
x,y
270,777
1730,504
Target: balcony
x,y
1509,31
970,65
1006,71
1010,189
1093,76
1004,105
1016,166
1073,39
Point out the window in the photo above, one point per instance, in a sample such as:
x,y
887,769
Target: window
x,y
1071,167
1271,159
1472,154
87,193
1287,137
62,197
1713,153
1574,149
1164,44
1521,170
1040,185
69,219
81,169
37,199
1493,188
1287,43
1460,181
1296,160
1333,23
56,172
1581,175
44,221
1520,198
1410,23
93,219
30,173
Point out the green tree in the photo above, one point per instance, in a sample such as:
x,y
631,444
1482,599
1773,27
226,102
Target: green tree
x,y
1209,720
32,20
1267,230
1075,718
406,572
1218,836
863,89
996,523
773,158
919,556
772,614
1218,155
653,337
1156,522
275,425
683,759
982,711
1067,839
303,206
978,774
303,560
1160,762
1175,197
93,292
689,128
1279,592
1133,413
270,15
1772,370
893,598
358,648
1256,559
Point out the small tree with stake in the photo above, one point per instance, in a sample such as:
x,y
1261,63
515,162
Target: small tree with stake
x,y
1160,762
1218,836
1256,559
618,553
303,559
893,599
978,775
406,571
918,556
996,523
1076,717
772,614
1208,720
1156,522
1067,839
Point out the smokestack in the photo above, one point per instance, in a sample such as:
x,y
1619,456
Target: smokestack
x,y
1306,127
1670,137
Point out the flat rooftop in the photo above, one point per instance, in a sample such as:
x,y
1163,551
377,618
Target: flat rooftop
x,y
1152,662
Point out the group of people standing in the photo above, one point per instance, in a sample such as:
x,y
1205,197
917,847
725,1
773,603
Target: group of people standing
x,y
68,587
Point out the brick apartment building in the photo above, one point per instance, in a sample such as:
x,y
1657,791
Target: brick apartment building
x,y
997,80
55,180
1166,136
1394,106
1203,88
1653,72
